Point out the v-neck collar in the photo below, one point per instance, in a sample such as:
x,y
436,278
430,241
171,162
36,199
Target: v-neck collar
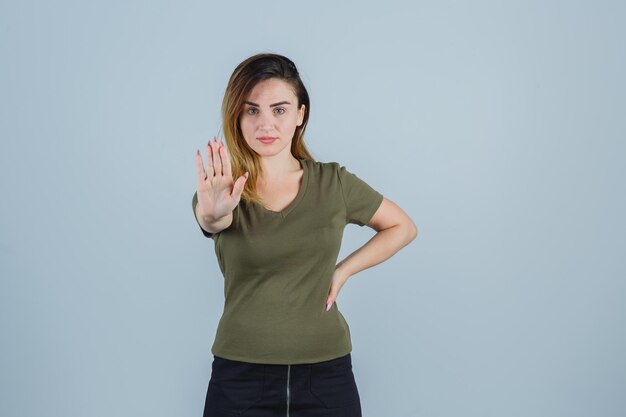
x,y
303,185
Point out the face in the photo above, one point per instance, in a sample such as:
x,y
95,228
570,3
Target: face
x,y
270,111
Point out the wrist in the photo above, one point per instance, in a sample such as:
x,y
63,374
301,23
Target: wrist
x,y
343,270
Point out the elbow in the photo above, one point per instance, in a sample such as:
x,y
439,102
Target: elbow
x,y
412,231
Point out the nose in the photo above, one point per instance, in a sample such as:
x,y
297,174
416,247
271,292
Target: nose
x,y
266,121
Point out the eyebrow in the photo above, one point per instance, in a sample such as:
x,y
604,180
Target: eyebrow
x,y
271,105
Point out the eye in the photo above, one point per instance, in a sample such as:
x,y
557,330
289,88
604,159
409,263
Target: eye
x,y
280,108
251,109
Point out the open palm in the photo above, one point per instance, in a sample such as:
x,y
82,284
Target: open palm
x,y
217,194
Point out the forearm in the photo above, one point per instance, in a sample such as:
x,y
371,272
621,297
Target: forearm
x,y
383,245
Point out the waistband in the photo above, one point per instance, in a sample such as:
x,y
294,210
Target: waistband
x,y
280,370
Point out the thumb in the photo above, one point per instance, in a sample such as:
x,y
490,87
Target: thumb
x,y
239,185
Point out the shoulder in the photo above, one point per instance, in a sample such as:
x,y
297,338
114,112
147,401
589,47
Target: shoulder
x,y
325,173
322,166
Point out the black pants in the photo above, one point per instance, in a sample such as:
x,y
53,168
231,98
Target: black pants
x,y
321,389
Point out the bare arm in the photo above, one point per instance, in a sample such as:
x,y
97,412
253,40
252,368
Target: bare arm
x,y
395,230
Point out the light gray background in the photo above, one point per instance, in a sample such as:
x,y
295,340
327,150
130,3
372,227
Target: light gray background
x,y
497,126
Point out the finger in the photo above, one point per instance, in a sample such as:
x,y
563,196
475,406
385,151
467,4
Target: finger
x,y
239,186
226,167
200,166
209,160
218,169
330,299
218,159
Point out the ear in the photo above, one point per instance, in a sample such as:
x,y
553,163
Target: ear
x,y
301,115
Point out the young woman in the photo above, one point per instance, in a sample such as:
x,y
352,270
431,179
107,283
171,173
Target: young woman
x,y
277,218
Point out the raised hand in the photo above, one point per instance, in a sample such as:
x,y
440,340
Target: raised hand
x,y
217,194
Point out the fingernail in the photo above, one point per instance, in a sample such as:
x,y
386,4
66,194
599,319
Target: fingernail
x,y
330,303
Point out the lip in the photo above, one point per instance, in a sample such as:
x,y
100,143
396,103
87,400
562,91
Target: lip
x,y
267,139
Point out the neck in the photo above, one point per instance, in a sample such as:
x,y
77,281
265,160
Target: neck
x,y
278,167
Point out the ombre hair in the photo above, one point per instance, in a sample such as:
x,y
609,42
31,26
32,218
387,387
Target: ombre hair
x,y
259,67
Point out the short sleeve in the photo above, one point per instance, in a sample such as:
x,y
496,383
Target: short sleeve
x,y
360,198
194,203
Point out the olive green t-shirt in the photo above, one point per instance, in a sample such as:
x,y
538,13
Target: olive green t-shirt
x,y
277,269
